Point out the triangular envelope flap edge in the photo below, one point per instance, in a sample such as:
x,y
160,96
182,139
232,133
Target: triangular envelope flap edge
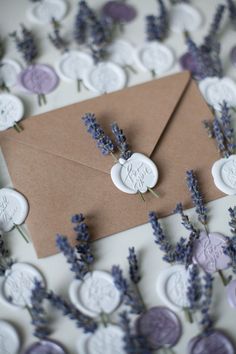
x,y
142,111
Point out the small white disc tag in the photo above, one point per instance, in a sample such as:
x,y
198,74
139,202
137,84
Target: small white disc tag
x,y
224,175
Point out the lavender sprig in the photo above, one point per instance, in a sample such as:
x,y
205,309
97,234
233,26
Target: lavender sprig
x,y
185,219
219,138
55,38
232,223
26,45
200,71
104,143
194,290
151,28
39,319
228,131
157,26
214,27
80,25
121,141
5,261
232,12
133,266
208,125
2,49
206,321
230,250
196,196
130,298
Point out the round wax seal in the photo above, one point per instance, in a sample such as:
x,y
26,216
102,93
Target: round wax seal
x,y
185,17
172,285
231,293
134,175
233,55
39,79
188,63
216,91
216,342
13,209
72,65
43,11
208,252
11,110
45,347
9,339
9,71
155,57
160,326
105,77
105,340
119,11
17,285
121,52
96,294
224,175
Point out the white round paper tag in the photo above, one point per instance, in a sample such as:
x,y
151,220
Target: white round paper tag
x,y
105,77
43,11
172,284
136,174
18,283
216,90
155,57
11,110
224,175
13,209
185,17
96,294
9,339
122,53
73,65
9,71
105,340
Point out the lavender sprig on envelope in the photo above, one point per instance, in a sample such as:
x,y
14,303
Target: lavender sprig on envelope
x,y
227,127
121,141
219,138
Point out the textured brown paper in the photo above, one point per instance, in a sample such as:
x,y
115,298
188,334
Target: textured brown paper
x,y
55,163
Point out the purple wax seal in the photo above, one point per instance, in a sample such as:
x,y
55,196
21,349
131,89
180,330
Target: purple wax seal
x,y
208,252
231,293
39,79
160,326
233,55
215,342
188,63
119,11
45,347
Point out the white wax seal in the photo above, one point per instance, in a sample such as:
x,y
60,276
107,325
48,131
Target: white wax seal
x,y
105,77
17,284
105,340
134,175
216,90
224,175
73,64
185,17
43,11
9,71
96,294
155,57
11,110
121,52
13,209
9,339
172,284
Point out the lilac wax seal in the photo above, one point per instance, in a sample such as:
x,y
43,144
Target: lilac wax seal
x,y
45,347
39,79
233,55
160,326
208,252
231,293
214,343
119,11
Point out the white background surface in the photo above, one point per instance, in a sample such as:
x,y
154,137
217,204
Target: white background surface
x,y
112,250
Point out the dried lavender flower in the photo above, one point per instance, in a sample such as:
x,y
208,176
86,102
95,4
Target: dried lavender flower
x,y
157,27
214,27
219,138
185,219
227,129
232,223
2,49
80,26
121,141
206,321
55,37
5,261
194,290
200,71
196,197
26,44
208,125
133,266
230,250
232,12
104,143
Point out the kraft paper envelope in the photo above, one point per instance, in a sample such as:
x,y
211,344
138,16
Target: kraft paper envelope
x,y
54,162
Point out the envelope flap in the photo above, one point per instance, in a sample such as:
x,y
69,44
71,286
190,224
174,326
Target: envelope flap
x,y
61,132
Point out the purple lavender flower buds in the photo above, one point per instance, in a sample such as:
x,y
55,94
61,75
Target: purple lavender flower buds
x,y
232,12
228,131
56,38
26,44
194,290
121,141
219,138
133,266
157,27
232,223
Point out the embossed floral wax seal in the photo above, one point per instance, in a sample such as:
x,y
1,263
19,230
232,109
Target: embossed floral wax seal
x,y
9,339
95,294
224,174
9,71
42,11
208,252
45,346
160,326
184,17
122,53
11,111
17,284
13,209
137,174
171,286
105,340
215,342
